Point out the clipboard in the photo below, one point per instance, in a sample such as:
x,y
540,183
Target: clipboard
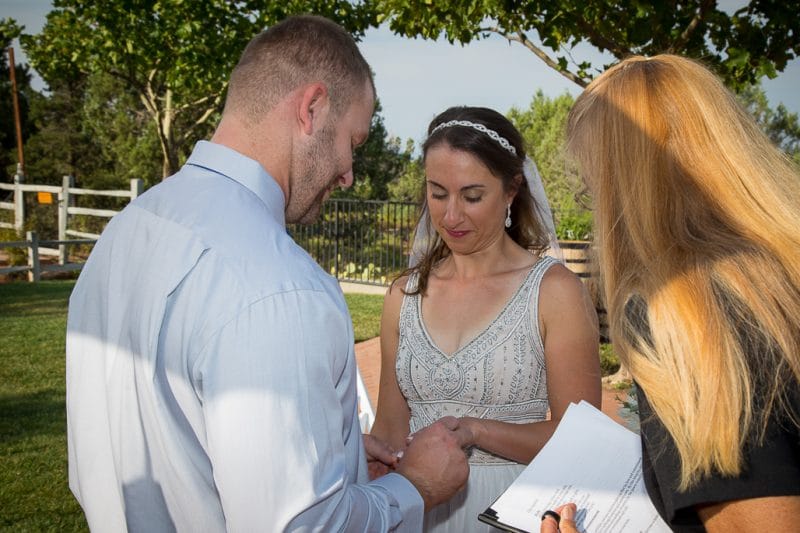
x,y
604,479
489,516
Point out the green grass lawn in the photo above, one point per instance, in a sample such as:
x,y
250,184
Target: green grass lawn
x,y
33,445
365,310
34,495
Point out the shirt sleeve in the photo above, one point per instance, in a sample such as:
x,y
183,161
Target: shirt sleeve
x,y
770,468
277,385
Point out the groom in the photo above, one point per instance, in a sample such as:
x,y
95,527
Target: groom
x,y
211,378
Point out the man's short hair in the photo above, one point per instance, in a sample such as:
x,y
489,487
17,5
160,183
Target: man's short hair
x,y
300,49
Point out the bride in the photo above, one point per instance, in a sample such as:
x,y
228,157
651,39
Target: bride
x,y
484,326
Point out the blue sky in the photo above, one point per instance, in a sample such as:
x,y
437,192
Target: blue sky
x,y
416,79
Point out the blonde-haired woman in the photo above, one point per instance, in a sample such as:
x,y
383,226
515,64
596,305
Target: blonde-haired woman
x,y
697,221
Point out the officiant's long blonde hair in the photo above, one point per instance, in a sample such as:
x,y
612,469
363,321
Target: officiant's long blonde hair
x,y
697,223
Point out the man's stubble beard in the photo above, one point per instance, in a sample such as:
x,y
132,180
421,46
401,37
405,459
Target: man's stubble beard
x,y
316,173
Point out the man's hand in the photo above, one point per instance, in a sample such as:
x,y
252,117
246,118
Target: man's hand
x,y
435,462
381,458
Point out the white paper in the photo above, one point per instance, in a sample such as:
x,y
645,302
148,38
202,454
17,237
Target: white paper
x,y
593,462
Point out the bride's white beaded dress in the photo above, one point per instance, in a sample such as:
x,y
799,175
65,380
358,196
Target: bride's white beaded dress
x,y
500,374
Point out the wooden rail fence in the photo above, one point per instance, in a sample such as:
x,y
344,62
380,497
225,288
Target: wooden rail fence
x,y
66,195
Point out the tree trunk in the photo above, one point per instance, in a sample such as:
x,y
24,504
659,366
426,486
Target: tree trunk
x,y
169,149
169,165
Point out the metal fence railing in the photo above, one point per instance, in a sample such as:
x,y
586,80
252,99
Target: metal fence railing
x,y
362,241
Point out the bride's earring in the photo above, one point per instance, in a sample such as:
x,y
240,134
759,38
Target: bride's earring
x,y
508,216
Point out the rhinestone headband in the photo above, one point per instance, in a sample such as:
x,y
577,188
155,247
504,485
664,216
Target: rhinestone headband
x,y
481,128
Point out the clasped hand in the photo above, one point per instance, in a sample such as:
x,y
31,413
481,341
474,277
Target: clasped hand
x,y
433,460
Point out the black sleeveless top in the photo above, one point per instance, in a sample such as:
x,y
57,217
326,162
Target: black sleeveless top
x,y
769,468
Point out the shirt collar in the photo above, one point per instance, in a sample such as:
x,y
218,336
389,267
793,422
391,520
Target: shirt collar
x,y
243,170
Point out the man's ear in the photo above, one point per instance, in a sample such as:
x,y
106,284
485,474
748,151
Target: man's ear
x,y
314,107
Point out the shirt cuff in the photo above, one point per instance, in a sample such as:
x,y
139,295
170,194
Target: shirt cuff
x,y
409,501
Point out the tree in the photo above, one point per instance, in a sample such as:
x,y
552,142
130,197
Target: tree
x,y
543,127
409,185
376,163
175,55
60,146
779,124
126,137
757,40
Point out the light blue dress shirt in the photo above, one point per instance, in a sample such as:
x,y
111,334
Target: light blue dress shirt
x,y
211,375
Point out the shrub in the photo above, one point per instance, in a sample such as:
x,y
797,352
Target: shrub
x,y
609,362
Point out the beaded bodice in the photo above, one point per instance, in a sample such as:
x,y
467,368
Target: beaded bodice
x,y
499,374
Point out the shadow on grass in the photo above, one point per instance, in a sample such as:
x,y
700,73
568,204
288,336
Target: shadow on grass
x,y
23,416
35,299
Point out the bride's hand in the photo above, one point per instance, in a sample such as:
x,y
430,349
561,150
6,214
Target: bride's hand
x,y
472,429
381,458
